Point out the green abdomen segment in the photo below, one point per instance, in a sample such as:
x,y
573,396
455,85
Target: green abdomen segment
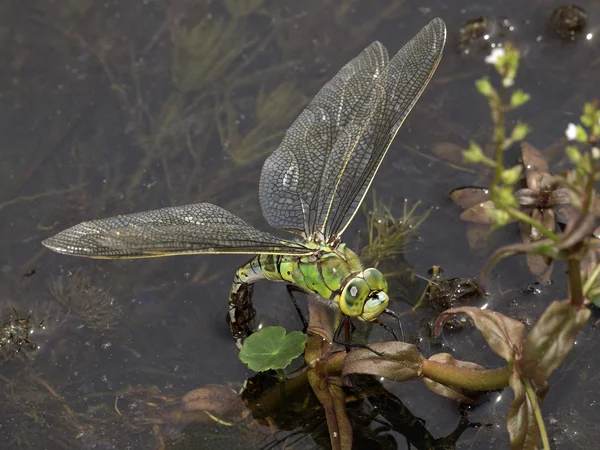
x,y
323,273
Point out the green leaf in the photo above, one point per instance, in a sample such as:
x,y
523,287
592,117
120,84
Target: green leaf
x,y
520,131
485,88
590,110
508,80
499,217
512,175
573,154
271,348
581,135
473,154
546,249
551,339
506,196
518,98
509,65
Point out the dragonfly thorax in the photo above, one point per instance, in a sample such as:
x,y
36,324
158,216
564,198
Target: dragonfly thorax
x,y
365,296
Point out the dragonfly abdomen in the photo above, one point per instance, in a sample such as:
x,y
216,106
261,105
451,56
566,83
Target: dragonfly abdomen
x,y
324,273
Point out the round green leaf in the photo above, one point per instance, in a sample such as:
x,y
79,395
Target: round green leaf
x,y
272,348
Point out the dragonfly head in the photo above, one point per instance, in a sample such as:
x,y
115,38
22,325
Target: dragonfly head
x,y
365,296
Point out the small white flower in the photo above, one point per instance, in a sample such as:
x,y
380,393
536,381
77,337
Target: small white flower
x,y
596,153
571,132
496,54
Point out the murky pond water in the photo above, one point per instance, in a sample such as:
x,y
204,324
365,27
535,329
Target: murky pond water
x,y
122,106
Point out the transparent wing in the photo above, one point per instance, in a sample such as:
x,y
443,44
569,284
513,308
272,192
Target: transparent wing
x,y
290,184
315,181
179,230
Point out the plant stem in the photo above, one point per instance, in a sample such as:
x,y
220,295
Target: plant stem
x,y
498,109
422,297
575,287
499,133
281,376
476,380
538,413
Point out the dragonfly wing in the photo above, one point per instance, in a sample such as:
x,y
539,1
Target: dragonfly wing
x,y
199,228
315,181
403,80
290,184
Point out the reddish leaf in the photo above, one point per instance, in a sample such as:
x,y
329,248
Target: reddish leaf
x,y
550,340
401,361
319,322
532,158
527,197
218,400
478,213
469,196
547,218
538,264
580,227
503,334
452,392
560,196
533,180
449,152
539,267
544,247
477,234
522,426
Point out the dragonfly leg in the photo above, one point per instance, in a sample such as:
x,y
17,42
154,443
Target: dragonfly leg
x,y
291,289
389,329
346,324
241,313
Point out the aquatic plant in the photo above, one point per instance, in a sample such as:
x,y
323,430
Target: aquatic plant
x,y
531,355
389,236
15,336
541,197
95,307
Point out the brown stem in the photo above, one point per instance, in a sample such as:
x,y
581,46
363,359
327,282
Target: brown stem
x,y
335,363
61,400
575,285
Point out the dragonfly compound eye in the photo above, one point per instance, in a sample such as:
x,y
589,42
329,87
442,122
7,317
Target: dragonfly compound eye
x,y
375,280
375,305
354,296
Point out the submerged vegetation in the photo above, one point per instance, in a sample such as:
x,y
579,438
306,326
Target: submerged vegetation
x,y
389,236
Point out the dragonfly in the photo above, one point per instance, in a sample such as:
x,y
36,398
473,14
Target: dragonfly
x,y
311,186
